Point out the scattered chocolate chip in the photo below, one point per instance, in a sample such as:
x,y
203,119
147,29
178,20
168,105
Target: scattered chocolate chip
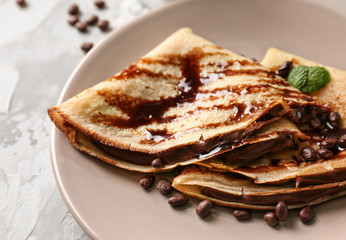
x,y
203,208
73,19
103,25
73,9
178,200
164,186
315,123
324,153
281,211
147,181
334,119
92,20
81,26
270,219
342,141
156,163
285,69
100,4
328,142
241,214
309,154
306,214
21,3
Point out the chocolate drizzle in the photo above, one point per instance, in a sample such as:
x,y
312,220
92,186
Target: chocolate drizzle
x,y
146,111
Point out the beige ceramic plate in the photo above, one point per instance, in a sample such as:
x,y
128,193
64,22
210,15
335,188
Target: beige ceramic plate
x,y
108,202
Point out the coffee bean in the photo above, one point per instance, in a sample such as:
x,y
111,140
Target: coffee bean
x,y
103,25
92,20
178,200
203,208
81,26
334,119
281,211
270,219
73,9
316,138
328,142
285,69
241,214
342,141
156,163
324,153
21,3
164,186
306,214
73,19
100,4
147,181
308,154
315,123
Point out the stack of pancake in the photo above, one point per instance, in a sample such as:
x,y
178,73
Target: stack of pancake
x,y
238,127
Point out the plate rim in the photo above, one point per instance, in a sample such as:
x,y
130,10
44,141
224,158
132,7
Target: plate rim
x,y
53,132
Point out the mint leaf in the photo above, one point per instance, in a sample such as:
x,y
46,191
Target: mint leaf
x,y
298,77
308,79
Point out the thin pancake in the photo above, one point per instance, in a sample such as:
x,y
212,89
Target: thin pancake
x,y
230,190
184,100
283,166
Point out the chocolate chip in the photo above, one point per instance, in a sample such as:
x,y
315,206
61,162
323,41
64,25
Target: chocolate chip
x,y
86,46
328,142
81,26
309,154
241,214
315,123
73,9
92,20
342,141
203,208
73,19
178,200
103,25
156,163
164,186
324,153
285,69
334,119
306,214
281,211
100,4
270,219
147,181
21,3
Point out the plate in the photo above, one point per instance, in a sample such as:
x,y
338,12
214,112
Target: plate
x,y
109,203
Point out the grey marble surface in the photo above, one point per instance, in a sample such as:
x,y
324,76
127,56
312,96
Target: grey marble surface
x,y
38,52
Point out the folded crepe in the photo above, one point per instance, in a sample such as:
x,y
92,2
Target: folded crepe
x,y
285,165
234,191
185,101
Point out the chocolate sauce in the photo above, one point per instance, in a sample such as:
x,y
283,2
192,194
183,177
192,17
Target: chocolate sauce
x,y
252,151
142,112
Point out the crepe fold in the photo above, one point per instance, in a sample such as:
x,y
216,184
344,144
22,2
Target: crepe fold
x,y
234,191
287,164
185,101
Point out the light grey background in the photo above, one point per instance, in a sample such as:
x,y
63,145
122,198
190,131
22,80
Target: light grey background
x,y
38,52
